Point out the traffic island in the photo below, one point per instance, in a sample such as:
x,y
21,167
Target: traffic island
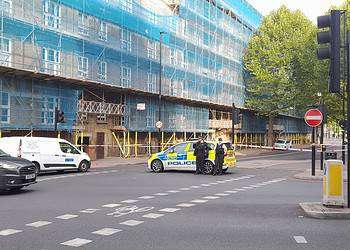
x,y
318,211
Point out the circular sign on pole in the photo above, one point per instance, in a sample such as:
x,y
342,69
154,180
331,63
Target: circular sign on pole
x,y
313,117
159,124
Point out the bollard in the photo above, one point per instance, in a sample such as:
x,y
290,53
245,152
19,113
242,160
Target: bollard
x,y
333,183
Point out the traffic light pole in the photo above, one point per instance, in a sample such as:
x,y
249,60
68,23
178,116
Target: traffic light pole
x,y
233,124
55,118
348,113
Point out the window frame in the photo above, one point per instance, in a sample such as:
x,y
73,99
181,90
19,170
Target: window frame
x,y
103,31
7,54
102,75
125,40
125,79
47,111
83,24
82,60
151,82
56,62
52,18
6,107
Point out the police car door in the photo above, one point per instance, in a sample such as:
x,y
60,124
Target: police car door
x,y
176,157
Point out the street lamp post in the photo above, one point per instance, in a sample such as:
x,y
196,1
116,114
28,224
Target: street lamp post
x,y
160,88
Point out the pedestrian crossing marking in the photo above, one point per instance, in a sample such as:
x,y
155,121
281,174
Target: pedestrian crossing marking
x,y
77,242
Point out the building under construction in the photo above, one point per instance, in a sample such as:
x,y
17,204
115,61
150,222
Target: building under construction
x,y
98,60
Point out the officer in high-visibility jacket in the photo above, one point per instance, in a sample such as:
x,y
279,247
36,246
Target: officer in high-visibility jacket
x,y
219,158
201,151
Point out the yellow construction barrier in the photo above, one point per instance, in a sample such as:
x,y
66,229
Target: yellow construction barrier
x,y
333,193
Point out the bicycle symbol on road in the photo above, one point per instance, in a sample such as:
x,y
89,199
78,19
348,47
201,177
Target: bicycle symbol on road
x,y
129,210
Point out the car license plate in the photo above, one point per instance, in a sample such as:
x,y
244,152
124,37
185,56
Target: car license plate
x,y
30,176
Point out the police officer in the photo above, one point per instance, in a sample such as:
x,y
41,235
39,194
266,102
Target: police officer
x,y
201,152
219,158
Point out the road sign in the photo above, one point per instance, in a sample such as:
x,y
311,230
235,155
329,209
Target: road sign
x,y
159,124
313,117
141,106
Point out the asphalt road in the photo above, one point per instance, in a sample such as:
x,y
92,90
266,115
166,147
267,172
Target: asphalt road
x,y
254,206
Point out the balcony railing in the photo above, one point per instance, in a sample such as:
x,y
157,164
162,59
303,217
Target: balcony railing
x,y
92,107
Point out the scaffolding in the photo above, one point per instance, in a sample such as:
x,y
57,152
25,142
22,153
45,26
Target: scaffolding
x,y
116,43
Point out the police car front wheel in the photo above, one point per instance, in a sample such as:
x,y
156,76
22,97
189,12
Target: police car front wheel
x,y
157,166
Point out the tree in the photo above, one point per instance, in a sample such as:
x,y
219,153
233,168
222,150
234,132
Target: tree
x,y
283,71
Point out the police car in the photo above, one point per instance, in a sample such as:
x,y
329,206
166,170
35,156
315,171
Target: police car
x,y
181,157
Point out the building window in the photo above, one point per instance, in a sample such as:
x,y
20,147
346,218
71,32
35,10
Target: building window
x,y
52,14
5,52
125,76
83,25
172,56
150,117
47,110
6,7
102,34
83,66
51,61
126,40
102,70
151,82
126,5
151,49
5,107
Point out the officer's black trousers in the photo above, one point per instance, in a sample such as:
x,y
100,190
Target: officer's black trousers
x,y
199,165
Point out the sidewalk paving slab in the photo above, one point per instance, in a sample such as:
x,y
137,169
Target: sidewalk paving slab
x,y
318,211
306,175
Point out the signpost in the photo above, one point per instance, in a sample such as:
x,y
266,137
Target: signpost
x,y
159,124
313,118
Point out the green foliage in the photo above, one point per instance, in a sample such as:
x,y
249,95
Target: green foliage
x,y
281,61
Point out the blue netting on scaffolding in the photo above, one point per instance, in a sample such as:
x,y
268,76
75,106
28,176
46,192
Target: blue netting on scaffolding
x,y
30,104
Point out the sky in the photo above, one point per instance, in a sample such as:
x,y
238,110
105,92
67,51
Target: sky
x,y
311,8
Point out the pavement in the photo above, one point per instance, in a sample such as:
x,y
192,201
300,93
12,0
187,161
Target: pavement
x,y
253,206
318,211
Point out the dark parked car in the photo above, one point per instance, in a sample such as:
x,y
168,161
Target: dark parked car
x,y
15,173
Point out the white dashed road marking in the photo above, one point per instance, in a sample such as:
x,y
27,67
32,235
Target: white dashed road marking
x,y
231,192
300,239
239,189
131,223
211,197
77,242
67,216
112,205
153,216
169,210
146,197
194,186
7,232
199,201
205,185
174,191
161,194
222,194
107,231
185,205
184,189
38,224
89,211
130,201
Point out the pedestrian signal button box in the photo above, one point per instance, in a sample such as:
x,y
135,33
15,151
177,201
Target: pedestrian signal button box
x,y
333,183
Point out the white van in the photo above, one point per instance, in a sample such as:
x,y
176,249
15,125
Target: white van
x,y
47,154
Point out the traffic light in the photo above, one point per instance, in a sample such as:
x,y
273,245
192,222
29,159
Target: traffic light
x,y
59,116
332,52
236,116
